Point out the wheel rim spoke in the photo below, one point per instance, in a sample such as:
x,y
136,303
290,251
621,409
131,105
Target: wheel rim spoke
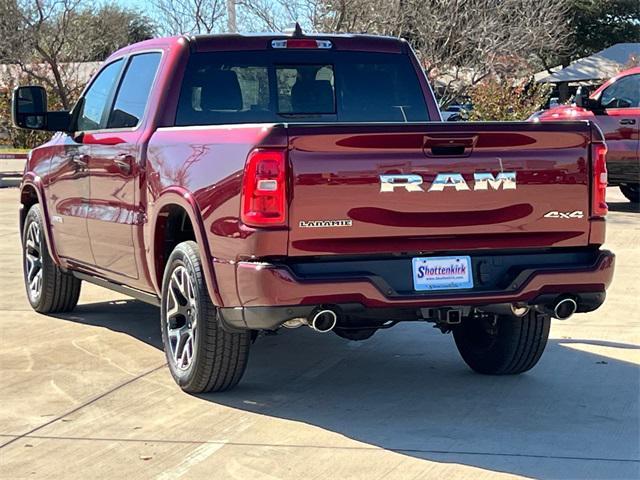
x,y
33,261
181,318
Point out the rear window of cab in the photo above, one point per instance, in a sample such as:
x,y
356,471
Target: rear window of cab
x,y
299,86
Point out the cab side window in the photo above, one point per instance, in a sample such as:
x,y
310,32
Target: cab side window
x,y
95,102
133,93
624,93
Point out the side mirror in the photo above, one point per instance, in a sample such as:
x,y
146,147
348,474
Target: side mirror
x,y
29,110
583,100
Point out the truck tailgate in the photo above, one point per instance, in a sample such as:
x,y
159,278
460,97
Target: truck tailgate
x,y
339,204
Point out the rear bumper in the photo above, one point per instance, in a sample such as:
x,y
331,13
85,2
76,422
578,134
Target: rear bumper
x,y
265,287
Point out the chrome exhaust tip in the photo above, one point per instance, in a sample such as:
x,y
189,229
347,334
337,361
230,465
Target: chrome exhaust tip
x,y
519,310
323,321
565,308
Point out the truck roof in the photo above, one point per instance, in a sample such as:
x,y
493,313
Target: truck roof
x,y
262,41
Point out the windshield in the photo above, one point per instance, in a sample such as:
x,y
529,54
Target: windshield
x,y
300,86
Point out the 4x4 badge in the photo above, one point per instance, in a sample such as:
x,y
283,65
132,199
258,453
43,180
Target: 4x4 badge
x,y
556,214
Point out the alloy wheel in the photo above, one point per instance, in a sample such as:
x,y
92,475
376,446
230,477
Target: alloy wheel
x,y
33,261
182,317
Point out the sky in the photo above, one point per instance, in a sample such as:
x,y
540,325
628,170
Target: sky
x,y
138,4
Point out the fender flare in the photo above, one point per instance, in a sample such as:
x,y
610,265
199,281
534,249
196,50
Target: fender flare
x,y
32,180
184,199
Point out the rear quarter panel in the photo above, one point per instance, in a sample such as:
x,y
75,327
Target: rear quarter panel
x,y
207,163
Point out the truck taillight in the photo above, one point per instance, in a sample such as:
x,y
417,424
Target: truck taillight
x,y
302,43
599,206
264,190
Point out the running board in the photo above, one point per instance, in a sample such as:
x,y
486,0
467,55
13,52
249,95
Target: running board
x,y
116,287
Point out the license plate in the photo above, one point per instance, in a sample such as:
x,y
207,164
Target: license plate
x,y
442,273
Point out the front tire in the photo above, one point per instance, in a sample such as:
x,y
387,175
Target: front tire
x,y
504,344
202,357
49,289
632,192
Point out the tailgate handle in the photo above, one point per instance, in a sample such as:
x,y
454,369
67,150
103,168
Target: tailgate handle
x,y
449,146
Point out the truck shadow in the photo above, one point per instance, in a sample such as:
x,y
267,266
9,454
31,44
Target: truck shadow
x,y
625,207
131,317
407,391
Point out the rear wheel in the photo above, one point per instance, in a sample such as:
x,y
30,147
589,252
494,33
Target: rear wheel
x,y
49,289
202,357
632,192
503,344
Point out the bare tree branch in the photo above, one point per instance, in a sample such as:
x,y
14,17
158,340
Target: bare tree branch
x,y
460,42
190,16
278,15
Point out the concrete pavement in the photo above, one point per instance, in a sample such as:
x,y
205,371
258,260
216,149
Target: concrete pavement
x,y
87,395
11,168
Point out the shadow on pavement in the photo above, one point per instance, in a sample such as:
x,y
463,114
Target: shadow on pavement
x,y
406,390
627,207
600,343
137,319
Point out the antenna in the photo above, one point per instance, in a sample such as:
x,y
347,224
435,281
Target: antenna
x,y
297,32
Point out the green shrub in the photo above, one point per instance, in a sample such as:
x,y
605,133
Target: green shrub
x,y
498,100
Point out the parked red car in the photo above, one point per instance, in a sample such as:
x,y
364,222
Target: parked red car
x,y
615,108
247,183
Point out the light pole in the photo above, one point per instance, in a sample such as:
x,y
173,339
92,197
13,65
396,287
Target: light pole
x,y
231,16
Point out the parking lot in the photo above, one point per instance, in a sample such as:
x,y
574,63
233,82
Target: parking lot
x,y
88,395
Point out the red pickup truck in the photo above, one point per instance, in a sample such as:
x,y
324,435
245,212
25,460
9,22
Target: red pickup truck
x,y
615,108
248,183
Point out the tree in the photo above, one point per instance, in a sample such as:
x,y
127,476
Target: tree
x,y
9,25
101,32
278,15
18,137
42,40
598,24
41,34
54,33
594,25
210,16
193,17
460,42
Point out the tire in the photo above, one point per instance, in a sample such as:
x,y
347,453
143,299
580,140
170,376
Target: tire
x,y
49,289
632,192
504,344
202,357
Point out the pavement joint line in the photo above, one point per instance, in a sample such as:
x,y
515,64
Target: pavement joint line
x,y
83,405
328,447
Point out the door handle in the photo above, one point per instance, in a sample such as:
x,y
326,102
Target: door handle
x,y
628,121
124,162
442,145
